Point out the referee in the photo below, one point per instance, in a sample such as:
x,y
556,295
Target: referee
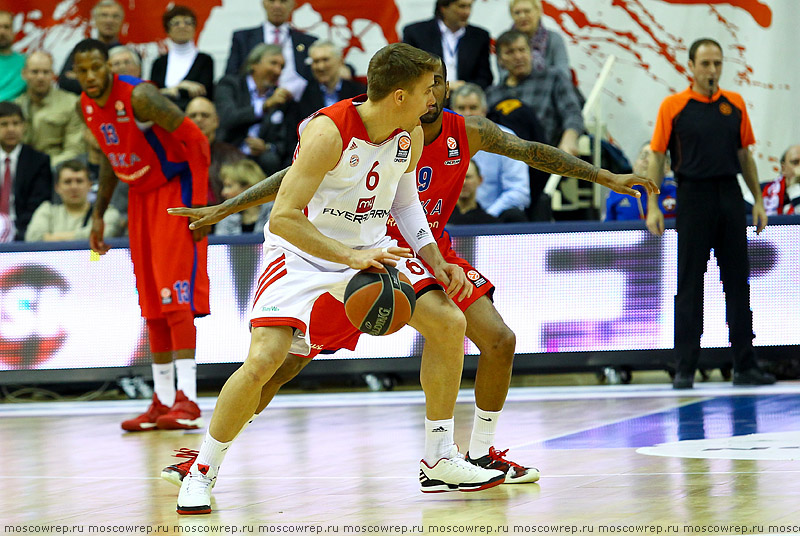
x,y
707,131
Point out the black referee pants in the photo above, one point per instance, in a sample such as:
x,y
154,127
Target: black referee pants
x,y
710,214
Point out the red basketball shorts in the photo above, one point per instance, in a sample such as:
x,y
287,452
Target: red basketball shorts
x,y
170,267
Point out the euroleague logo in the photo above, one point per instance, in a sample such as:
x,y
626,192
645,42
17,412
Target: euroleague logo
x,y
472,275
403,146
452,147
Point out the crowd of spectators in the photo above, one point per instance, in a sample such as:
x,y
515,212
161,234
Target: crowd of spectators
x,y
275,76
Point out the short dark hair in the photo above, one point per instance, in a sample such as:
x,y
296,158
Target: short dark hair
x,y
72,165
177,11
87,45
439,5
8,109
700,42
507,38
397,66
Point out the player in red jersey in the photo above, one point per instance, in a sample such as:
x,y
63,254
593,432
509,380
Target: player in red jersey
x,y
163,156
450,142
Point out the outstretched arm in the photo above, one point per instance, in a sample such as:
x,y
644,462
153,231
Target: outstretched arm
x,y
484,135
258,194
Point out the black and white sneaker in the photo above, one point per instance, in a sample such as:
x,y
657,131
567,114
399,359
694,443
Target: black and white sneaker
x,y
515,473
456,474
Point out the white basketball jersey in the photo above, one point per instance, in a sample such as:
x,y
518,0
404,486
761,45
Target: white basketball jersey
x,y
353,201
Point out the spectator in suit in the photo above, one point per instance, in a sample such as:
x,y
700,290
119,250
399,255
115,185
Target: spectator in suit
x,y
327,86
52,126
236,178
505,188
124,60
626,207
204,114
183,73
277,31
25,176
547,47
782,194
252,107
550,92
107,19
70,220
11,63
464,48
468,210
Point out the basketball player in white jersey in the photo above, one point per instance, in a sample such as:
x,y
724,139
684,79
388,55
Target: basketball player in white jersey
x,y
355,164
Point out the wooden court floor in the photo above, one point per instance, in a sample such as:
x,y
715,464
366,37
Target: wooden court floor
x,y
348,464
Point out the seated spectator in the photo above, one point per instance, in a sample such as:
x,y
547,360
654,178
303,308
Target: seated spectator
x,y
71,220
25,176
627,207
276,30
11,63
550,92
327,86
204,114
251,108
125,61
782,194
468,210
547,47
505,190
465,49
52,125
107,19
236,178
183,73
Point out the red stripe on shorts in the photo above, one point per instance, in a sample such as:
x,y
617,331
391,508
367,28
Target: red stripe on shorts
x,y
267,283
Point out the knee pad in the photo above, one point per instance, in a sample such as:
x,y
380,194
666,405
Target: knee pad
x,y
182,332
159,335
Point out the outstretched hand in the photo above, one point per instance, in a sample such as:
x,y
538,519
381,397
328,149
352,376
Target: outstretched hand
x,y
200,217
623,184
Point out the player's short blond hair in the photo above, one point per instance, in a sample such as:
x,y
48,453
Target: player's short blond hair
x,y
397,66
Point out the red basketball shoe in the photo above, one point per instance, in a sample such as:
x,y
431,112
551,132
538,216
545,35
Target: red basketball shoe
x,y
175,473
147,420
183,415
515,473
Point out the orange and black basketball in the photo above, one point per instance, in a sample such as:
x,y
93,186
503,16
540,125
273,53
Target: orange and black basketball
x,y
379,301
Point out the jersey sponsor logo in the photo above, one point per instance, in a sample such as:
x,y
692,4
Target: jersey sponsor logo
x,y
123,160
355,218
130,177
725,108
473,275
452,148
365,204
353,146
354,160
479,283
454,162
403,146
270,309
166,296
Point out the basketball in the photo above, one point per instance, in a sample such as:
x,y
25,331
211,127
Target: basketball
x,y
379,301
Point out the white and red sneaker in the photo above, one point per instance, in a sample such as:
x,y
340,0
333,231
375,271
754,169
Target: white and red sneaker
x,y
175,473
515,473
456,474
195,494
148,419
183,415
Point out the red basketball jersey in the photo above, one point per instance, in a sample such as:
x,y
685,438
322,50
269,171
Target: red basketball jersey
x,y
440,175
143,155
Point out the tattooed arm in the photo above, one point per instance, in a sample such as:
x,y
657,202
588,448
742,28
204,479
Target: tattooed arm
x,y
258,194
484,135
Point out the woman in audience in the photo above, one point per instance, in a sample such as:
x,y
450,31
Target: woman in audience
x,y
236,178
547,47
183,73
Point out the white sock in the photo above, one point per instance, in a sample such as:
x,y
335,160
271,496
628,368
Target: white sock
x,y
438,440
212,452
164,382
187,377
246,425
483,429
